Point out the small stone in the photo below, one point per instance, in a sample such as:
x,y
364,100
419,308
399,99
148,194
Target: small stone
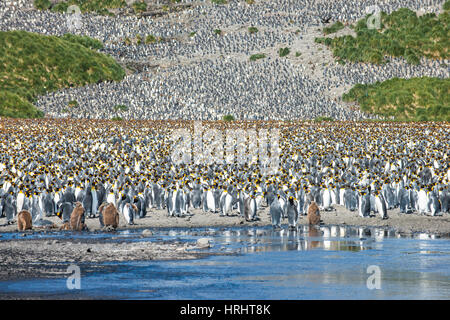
x,y
204,243
147,233
88,250
55,241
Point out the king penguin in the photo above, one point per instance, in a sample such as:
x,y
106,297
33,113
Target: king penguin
x,y
380,203
364,204
129,212
292,212
276,212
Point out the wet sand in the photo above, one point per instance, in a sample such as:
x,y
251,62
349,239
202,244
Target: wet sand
x,y
37,258
404,223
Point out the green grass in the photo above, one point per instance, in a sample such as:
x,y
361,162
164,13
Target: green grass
x,y
298,54
117,118
120,107
42,4
73,103
193,33
218,31
98,6
257,56
333,28
84,41
139,7
219,1
32,64
416,99
402,34
228,117
252,30
284,52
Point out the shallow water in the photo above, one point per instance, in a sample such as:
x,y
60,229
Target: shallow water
x,y
326,263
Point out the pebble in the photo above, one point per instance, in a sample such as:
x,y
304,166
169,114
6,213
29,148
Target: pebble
x,y
204,243
147,233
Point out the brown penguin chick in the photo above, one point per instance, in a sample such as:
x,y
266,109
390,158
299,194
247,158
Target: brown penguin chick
x,y
110,215
313,213
24,220
76,218
65,226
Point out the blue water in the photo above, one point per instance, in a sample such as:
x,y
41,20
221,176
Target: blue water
x,y
329,263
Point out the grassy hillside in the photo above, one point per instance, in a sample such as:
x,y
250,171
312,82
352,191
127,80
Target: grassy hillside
x,y
402,33
418,99
32,64
97,6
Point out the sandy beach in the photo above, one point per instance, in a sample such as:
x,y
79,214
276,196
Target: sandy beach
x,y
40,258
403,223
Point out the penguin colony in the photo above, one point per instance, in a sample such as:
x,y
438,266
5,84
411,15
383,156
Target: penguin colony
x,y
207,76
108,170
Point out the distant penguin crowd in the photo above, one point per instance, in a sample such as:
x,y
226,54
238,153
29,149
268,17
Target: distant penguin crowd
x,y
122,171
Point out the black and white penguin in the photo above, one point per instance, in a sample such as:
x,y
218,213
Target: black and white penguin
x,y
326,198
225,203
292,212
250,208
276,212
196,197
65,210
434,204
381,205
9,208
49,204
364,204
422,201
129,213
87,201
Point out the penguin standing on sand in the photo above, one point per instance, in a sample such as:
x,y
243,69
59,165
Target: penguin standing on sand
x,y
94,207
49,204
64,212
108,215
196,197
422,201
364,204
434,204
129,211
87,201
250,208
20,199
210,201
9,208
225,203
276,212
313,215
24,221
380,203
444,197
77,218
292,212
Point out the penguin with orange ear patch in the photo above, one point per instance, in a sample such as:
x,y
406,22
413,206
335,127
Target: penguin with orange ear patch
x,y
108,215
24,220
76,222
313,214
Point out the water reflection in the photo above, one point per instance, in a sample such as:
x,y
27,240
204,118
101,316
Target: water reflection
x,y
310,262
